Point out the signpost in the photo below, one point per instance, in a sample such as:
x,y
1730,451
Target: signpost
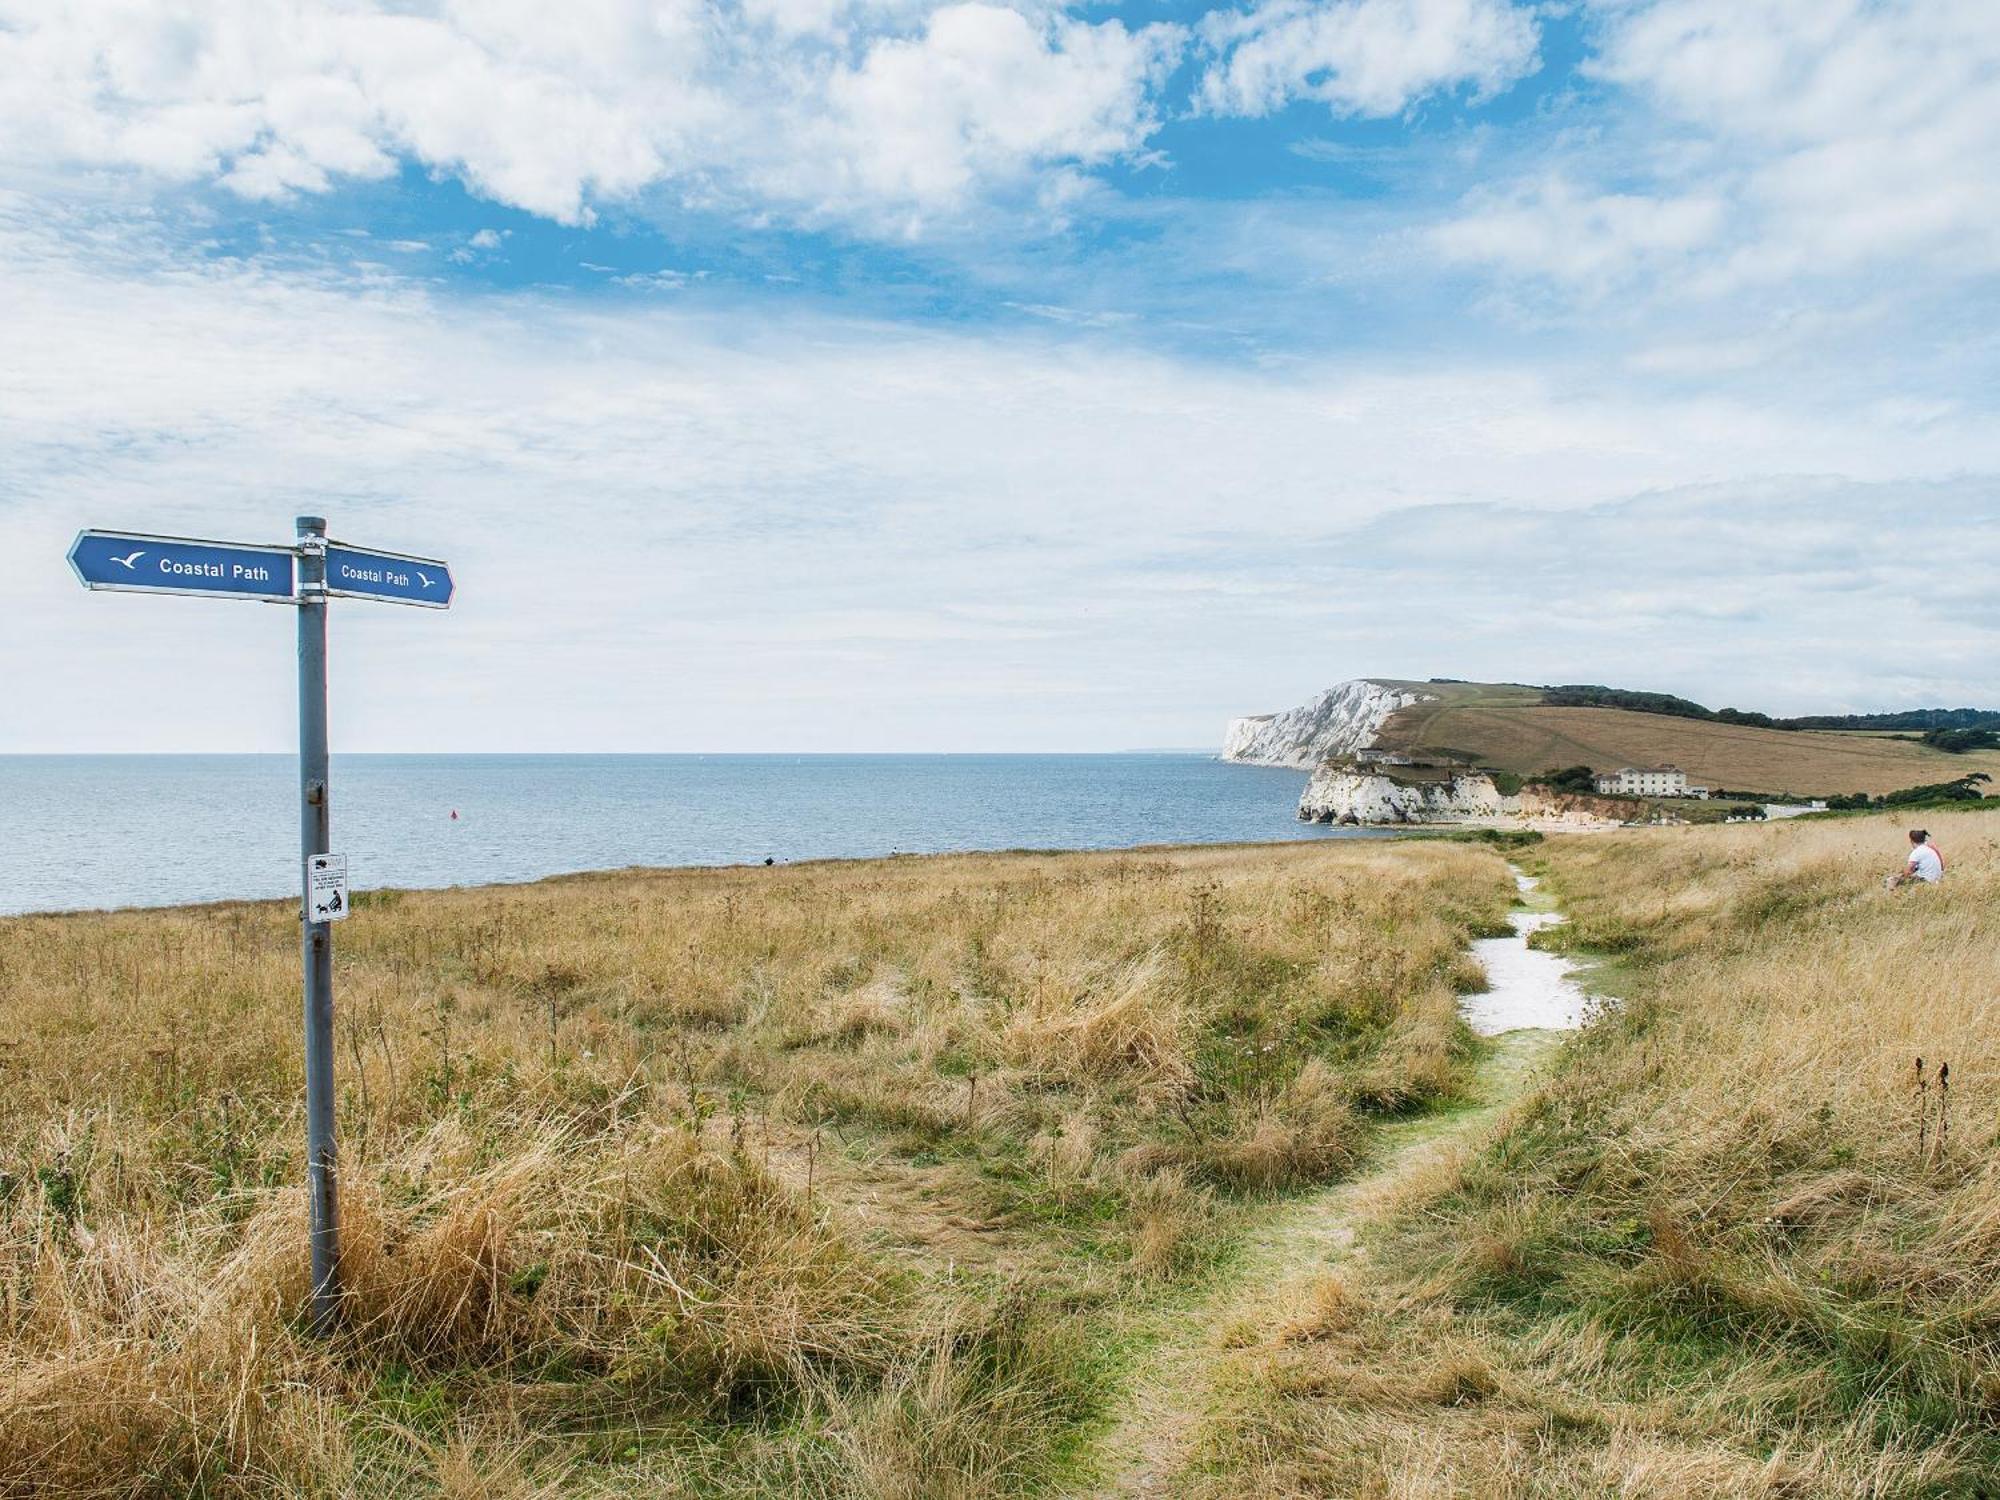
x,y
304,575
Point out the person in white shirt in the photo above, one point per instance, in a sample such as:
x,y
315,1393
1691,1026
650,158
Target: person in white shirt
x,y
1926,864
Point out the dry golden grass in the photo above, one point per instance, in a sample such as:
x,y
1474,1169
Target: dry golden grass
x,y
1503,732
792,1181
1730,1249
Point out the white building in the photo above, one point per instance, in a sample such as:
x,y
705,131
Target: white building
x,y
1648,781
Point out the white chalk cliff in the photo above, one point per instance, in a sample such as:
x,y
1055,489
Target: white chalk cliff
x,y
1338,722
1338,794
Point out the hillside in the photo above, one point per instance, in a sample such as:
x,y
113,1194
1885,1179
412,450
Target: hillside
x,y
1506,727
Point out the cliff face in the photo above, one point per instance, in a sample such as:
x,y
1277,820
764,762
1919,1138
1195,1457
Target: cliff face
x,y
1342,795
1578,809
1350,794
1338,722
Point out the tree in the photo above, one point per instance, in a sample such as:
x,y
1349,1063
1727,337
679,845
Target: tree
x,y
1569,779
1958,741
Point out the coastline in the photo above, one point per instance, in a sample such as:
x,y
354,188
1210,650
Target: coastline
x,y
365,896
72,829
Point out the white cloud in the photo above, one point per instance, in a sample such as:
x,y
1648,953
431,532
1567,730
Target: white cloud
x,y
1871,129
552,109
1363,57
1783,139
985,92
666,279
1598,240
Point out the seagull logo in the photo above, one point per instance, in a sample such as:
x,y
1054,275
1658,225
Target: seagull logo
x,y
423,578
130,559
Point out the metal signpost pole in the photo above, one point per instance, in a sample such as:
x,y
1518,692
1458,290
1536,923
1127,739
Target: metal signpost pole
x,y
306,575
322,1183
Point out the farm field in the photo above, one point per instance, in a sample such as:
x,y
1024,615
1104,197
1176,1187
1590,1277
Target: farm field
x,y
1502,727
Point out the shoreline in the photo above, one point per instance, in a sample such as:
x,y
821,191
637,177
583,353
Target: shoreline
x,y
67,827
747,867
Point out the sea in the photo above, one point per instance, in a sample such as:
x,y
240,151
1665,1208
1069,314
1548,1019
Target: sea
x,y
103,831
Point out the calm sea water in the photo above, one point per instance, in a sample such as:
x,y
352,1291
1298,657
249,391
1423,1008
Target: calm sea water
x,y
106,831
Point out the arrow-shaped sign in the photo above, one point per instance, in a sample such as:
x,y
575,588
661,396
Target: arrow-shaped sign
x,y
133,562
393,577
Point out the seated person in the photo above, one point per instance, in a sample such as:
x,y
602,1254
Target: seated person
x,y
1925,863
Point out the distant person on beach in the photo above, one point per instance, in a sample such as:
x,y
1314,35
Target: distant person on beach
x,y
1926,864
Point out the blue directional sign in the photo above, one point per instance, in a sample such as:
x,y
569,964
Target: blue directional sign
x,y
394,577
133,562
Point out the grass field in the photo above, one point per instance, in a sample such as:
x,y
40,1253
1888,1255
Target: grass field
x,y
1736,1245
1501,727
819,1180
1172,1172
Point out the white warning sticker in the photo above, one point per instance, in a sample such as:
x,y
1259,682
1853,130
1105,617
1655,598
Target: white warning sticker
x,y
326,887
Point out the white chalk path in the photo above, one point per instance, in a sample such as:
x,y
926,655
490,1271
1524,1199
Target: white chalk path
x,y
1525,987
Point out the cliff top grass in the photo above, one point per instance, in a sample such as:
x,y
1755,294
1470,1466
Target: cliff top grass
x,y
808,1180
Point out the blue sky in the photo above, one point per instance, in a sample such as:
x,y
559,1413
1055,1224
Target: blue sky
x,y
806,374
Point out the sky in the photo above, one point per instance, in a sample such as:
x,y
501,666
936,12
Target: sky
x,y
848,375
